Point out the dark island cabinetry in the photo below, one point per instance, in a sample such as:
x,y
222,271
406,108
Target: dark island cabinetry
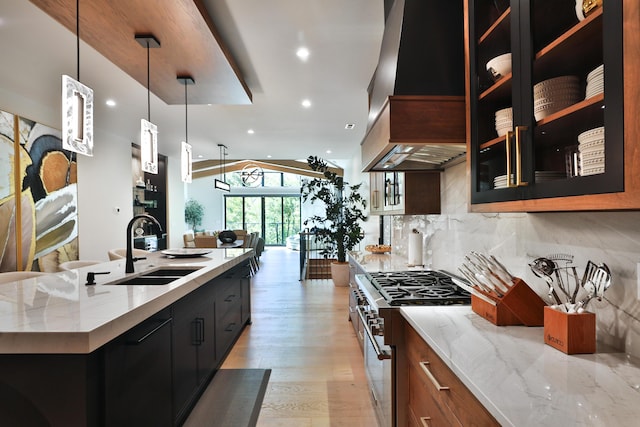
x,y
153,374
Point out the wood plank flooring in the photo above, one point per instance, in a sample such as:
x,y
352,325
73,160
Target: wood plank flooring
x,y
301,332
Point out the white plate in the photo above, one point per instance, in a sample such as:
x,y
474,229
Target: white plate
x,y
596,71
186,252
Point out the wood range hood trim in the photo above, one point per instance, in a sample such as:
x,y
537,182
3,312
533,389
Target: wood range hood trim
x,y
189,45
416,132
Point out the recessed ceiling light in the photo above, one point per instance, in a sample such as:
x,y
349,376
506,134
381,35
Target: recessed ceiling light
x,y
306,103
349,126
302,53
251,132
110,103
268,156
328,151
200,156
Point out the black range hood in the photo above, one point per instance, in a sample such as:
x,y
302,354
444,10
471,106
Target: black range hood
x,y
417,108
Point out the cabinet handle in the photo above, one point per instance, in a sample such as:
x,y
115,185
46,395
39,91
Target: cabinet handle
x,y
229,298
200,321
230,327
424,421
519,182
148,334
196,333
375,201
507,146
434,381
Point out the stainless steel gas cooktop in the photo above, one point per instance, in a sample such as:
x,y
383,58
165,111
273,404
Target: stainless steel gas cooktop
x,y
426,287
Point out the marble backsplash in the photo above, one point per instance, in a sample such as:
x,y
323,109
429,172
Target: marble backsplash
x,y
518,238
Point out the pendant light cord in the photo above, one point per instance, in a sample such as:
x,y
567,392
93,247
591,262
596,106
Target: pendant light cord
x,y
78,39
186,117
148,84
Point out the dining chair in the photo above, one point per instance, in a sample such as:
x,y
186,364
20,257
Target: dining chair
x,y
71,265
121,253
206,241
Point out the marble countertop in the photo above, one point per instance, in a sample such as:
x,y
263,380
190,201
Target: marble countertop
x,y
57,313
372,263
524,382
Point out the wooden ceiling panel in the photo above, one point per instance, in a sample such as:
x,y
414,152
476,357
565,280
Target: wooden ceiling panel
x,y
189,43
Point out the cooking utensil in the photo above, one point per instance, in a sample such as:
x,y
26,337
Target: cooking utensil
x,y
596,284
542,268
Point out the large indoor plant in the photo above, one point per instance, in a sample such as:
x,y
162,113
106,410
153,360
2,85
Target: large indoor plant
x,y
339,229
193,213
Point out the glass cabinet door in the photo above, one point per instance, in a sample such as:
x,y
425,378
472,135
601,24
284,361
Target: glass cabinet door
x,y
551,142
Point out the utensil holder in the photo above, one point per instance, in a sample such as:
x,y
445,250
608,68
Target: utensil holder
x,y
571,333
519,306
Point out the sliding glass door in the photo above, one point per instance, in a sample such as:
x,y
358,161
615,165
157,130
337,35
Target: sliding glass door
x,y
274,217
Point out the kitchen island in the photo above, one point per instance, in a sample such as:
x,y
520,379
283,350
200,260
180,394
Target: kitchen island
x,y
523,382
111,354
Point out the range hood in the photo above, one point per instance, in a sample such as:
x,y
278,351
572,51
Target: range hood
x,y
417,106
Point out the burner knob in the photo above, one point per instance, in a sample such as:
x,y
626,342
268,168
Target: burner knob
x,y
377,327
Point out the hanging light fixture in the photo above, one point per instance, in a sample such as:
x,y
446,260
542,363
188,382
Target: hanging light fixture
x,y
77,107
148,131
222,184
186,153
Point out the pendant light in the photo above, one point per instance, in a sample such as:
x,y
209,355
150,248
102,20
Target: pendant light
x,y
186,152
222,184
148,131
77,107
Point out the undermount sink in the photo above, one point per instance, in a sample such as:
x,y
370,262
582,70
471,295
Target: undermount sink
x,y
162,276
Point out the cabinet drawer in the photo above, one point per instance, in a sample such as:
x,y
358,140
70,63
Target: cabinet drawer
x,y
424,409
229,297
227,329
429,369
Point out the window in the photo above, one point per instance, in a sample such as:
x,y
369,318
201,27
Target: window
x,y
274,217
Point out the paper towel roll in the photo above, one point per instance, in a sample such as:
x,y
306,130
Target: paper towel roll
x,y
415,249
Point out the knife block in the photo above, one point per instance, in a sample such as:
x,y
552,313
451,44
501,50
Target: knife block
x,y
571,333
497,313
519,306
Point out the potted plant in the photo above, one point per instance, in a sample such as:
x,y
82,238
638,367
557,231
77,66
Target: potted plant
x,y
193,213
339,229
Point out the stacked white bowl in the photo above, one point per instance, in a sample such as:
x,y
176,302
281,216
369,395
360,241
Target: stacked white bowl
x,y
499,66
551,96
504,121
591,148
595,82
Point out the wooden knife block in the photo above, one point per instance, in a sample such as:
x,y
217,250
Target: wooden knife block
x,y
571,333
519,306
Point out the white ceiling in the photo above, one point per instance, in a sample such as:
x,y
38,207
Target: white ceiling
x,y
343,37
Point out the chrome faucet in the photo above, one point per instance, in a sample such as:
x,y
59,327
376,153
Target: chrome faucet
x,y
130,258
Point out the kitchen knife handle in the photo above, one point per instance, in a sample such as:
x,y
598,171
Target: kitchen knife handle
x,y
424,421
434,381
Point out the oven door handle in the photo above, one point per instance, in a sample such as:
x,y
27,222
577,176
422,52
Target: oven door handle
x,y
380,353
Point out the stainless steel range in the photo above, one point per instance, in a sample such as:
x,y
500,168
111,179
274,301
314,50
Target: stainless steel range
x,y
378,297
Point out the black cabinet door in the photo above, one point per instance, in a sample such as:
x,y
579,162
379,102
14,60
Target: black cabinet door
x,y
194,347
206,333
185,368
137,368
546,40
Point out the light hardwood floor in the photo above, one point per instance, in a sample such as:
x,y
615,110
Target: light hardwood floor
x,y
301,331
